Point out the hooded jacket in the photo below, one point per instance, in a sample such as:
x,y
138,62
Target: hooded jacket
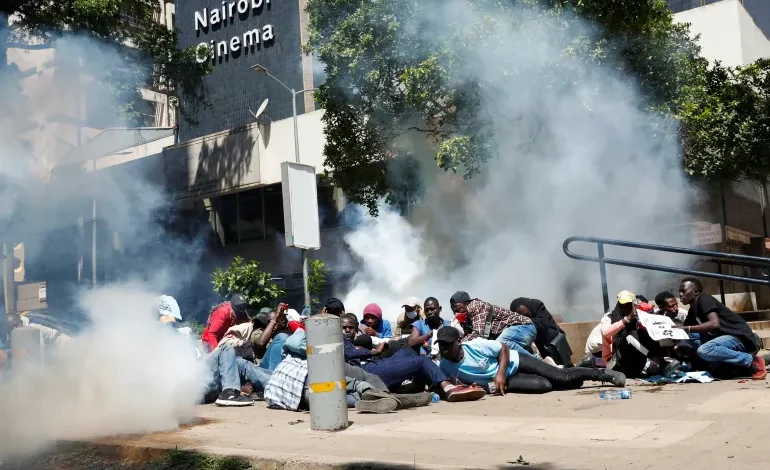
x,y
383,327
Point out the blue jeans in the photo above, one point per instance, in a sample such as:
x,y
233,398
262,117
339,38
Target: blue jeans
x,y
253,373
724,349
274,353
519,338
224,371
405,364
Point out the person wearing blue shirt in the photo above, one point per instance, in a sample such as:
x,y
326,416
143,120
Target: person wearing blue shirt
x,y
494,366
422,330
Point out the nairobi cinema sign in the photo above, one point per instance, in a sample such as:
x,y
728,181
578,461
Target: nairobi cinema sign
x,y
224,17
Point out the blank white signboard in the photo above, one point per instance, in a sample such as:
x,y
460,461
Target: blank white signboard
x,y
300,206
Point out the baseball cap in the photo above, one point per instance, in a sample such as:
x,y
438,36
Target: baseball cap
x,y
460,297
626,296
411,302
447,334
238,303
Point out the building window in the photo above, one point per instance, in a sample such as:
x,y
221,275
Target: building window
x,y
257,214
274,210
252,223
241,216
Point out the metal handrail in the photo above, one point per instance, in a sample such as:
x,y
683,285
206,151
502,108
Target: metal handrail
x,y
714,257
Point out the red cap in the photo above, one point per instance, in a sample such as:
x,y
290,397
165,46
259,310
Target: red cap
x,y
373,309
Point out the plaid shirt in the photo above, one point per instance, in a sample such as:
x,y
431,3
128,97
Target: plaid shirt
x,y
285,387
501,319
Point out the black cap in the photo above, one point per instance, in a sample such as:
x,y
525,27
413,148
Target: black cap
x,y
447,334
238,303
364,341
334,304
460,297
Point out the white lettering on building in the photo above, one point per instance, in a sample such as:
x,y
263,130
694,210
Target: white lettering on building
x,y
207,18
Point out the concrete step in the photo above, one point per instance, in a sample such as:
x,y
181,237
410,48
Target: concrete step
x,y
755,315
764,336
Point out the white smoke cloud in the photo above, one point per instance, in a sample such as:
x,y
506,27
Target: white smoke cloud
x,y
574,160
126,374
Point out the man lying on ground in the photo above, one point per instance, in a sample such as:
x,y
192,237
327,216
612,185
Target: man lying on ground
x,y
404,365
287,387
487,321
723,339
499,369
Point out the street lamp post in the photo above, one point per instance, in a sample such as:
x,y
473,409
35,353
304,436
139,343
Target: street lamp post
x,y
260,69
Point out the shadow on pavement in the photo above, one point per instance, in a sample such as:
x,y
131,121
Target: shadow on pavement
x,y
91,457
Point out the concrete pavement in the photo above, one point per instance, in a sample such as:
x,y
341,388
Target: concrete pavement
x,y
720,425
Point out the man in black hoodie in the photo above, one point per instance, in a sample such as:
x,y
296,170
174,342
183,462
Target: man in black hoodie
x,y
547,330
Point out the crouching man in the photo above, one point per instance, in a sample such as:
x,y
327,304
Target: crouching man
x,y
721,338
499,369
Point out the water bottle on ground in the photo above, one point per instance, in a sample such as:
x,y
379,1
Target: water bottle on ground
x,y
434,398
622,394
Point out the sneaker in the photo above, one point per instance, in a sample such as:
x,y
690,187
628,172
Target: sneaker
x,y
549,360
758,369
617,379
412,400
379,405
374,394
672,368
232,397
464,393
587,361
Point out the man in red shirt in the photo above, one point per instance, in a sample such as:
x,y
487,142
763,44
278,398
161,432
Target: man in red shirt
x,y
222,317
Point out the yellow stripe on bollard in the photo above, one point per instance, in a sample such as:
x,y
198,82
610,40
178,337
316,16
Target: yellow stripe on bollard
x,y
323,387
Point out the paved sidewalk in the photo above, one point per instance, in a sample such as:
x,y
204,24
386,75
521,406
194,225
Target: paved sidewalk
x,y
705,426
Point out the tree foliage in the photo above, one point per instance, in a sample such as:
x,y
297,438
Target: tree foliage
x,y
150,51
726,123
246,279
317,279
391,72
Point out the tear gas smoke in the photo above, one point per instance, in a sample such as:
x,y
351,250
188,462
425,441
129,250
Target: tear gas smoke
x,y
576,158
126,374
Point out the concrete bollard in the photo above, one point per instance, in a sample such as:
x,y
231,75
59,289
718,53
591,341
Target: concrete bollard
x,y
326,373
27,347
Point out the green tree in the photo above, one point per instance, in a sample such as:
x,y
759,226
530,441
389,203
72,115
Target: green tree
x,y
155,61
726,123
246,279
390,74
317,279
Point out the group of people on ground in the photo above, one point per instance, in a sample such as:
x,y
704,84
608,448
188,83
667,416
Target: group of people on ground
x,y
484,349
480,349
720,341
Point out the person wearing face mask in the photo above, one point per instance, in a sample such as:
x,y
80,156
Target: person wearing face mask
x,y
412,312
423,331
